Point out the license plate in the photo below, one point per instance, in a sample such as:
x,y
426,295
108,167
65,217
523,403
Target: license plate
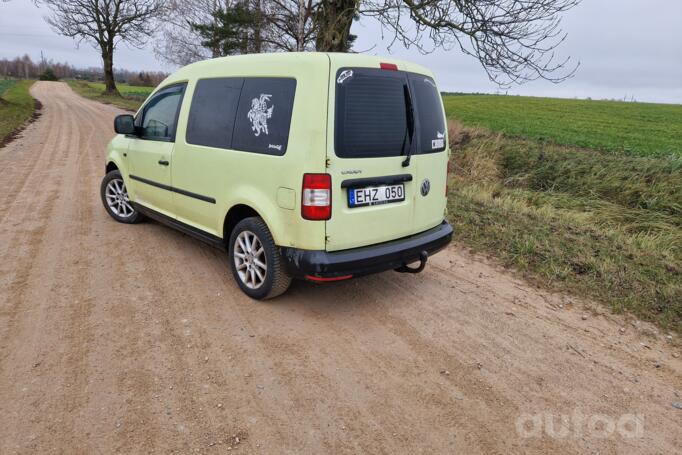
x,y
376,195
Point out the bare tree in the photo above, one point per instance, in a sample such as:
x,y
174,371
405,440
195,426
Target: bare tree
x,y
284,25
333,20
179,43
104,24
289,25
514,40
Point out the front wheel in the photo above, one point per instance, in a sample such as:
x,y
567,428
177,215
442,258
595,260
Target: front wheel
x,y
255,259
116,201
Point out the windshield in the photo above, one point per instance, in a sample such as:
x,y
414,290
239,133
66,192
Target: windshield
x,y
381,113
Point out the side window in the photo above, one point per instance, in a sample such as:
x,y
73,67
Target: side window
x,y
213,111
160,115
429,114
264,115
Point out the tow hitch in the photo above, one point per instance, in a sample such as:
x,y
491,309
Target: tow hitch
x,y
423,257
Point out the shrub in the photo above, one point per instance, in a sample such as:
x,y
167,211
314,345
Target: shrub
x,y
48,75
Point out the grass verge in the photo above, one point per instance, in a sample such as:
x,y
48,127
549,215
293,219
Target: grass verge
x,y
94,92
128,91
17,106
601,225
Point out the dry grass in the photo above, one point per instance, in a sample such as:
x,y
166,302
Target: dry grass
x,y
601,225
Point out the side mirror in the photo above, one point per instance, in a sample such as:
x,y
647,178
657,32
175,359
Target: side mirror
x,y
124,124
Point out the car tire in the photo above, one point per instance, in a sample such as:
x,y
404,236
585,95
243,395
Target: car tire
x,y
115,199
255,260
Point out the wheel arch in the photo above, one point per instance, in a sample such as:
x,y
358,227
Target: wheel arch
x,y
111,166
233,216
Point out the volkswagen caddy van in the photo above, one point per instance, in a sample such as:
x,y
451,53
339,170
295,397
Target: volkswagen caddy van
x,y
316,166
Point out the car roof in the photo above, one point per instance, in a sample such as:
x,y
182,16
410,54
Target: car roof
x,y
289,63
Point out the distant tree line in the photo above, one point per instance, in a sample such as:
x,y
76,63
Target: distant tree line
x,y
25,68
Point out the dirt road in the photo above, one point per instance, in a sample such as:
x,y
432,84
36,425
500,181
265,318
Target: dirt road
x,y
135,339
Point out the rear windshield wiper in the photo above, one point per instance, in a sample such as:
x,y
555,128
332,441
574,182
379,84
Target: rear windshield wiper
x,y
409,110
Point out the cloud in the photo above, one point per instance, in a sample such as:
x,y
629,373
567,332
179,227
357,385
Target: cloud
x,y
626,47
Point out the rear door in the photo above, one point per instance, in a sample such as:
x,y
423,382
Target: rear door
x,y
369,144
430,155
376,193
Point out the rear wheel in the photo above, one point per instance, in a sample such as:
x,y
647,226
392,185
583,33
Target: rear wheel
x,y
255,260
115,199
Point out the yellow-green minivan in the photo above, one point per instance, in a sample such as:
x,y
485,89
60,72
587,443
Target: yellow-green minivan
x,y
317,166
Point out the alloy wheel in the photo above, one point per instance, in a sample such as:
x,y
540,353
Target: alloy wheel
x,y
250,260
117,199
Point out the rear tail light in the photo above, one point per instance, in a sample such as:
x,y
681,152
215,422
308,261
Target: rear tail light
x,y
447,176
388,66
316,197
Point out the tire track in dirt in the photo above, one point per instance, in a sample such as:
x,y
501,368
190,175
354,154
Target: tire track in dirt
x,y
32,212
17,168
28,249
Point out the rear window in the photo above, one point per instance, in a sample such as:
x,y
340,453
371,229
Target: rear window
x,y
213,111
429,114
381,113
264,115
371,113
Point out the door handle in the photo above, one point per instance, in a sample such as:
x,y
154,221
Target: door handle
x,y
163,162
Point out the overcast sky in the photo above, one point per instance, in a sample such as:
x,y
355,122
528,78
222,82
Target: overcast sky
x,y
627,48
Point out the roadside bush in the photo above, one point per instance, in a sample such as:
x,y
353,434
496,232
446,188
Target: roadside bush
x,y
48,75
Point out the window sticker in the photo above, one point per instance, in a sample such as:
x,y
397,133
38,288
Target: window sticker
x,y
260,113
344,75
439,142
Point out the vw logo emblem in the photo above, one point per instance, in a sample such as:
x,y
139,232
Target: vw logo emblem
x,y
426,187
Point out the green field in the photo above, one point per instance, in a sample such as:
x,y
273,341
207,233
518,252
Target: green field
x,y
131,96
16,106
577,196
632,128
6,84
126,90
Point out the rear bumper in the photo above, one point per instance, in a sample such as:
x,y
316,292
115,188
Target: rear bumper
x,y
368,259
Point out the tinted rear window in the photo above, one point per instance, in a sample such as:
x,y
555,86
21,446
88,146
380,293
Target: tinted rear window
x,y
264,115
371,113
429,114
383,113
213,111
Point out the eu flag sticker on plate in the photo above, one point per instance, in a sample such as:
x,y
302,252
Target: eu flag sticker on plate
x,y
351,197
